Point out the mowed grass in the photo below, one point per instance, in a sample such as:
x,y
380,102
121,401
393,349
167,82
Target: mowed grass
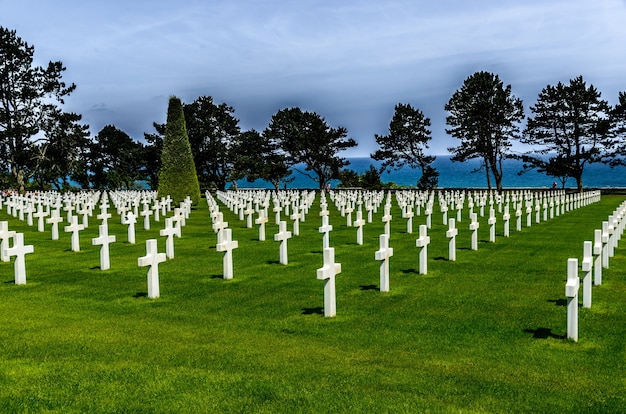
x,y
482,334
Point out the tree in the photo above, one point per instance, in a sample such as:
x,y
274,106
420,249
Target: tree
x,y
484,114
349,178
116,160
258,157
572,123
212,131
63,155
404,145
305,138
177,177
28,98
618,121
152,155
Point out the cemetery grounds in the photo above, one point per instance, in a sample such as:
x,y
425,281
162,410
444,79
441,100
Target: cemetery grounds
x,y
485,333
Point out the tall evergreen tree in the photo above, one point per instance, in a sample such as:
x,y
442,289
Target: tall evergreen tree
x,y
177,177
573,123
484,115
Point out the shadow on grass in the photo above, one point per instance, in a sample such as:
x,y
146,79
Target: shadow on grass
x,y
272,262
217,276
440,258
369,287
317,252
318,310
544,333
94,268
407,271
141,295
558,302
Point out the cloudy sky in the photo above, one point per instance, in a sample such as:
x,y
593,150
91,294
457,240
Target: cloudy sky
x,y
349,61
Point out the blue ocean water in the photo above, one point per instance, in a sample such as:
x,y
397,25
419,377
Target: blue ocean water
x,y
461,175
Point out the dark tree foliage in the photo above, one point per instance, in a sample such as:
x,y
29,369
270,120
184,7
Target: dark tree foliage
x,y
256,156
212,131
405,144
618,120
306,138
28,98
64,154
573,124
152,155
115,160
177,177
484,115
349,178
370,179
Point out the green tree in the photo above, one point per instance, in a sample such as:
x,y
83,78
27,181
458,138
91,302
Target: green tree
x,y
484,115
370,179
152,155
618,121
573,123
258,157
177,177
349,178
63,155
405,144
305,138
115,160
28,98
212,130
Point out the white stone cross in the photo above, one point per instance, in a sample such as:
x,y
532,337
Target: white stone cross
x,y
104,239
387,219
605,244
587,266
296,216
261,222
19,251
74,228
326,229
422,242
409,222
5,236
131,219
474,225
518,215
169,231
40,215
506,217
283,235
451,233
571,291
55,219
492,225
152,259
104,216
146,213
227,245
597,251
327,273
219,225
383,254
249,211
359,223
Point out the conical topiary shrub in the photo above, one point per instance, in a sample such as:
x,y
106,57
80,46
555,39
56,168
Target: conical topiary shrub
x,y
177,177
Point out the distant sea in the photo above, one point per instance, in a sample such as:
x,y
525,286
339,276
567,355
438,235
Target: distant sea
x,y
461,175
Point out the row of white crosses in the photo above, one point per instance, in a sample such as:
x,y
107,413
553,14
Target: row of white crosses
x,y
603,247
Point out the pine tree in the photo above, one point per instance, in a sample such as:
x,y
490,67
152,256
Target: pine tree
x,y
177,177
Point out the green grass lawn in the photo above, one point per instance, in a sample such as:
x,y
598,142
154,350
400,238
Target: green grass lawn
x,y
482,334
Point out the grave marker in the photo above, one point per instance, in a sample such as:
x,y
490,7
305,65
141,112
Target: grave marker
x,y
451,234
227,246
571,291
103,240
283,235
75,228
19,250
152,259
383,254
327,273
422,242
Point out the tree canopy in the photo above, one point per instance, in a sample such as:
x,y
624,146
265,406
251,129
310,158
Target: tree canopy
x,y
406,144
306,138
572,123
484,115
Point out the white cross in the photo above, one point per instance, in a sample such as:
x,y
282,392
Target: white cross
x,y
492,225
387,220
587,266
327,273
571,291
422,242
283,235
261,222
19,251
152,259
74,228
249,211
409,214
597,251
359,223
451,234
146,213
104,239
326,229
55,219
296,216
227,245
219,225
474,225
131,219
5,236
169,231
383,254
39,215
